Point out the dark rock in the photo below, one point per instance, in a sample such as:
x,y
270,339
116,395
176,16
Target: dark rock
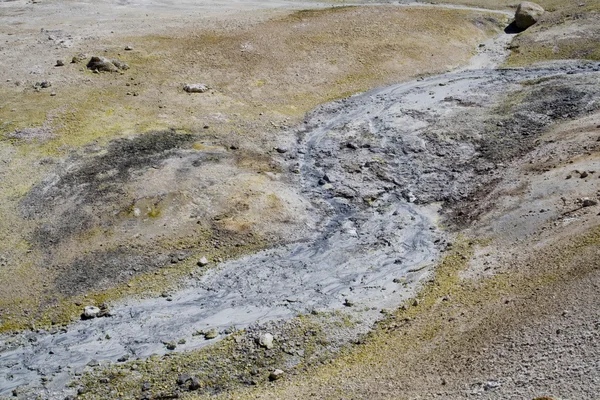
x,y
276,375
195,383
183,378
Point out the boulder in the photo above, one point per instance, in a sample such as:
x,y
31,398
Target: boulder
x,y
527,14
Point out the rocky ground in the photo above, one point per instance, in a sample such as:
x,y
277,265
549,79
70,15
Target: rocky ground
x,y
433,238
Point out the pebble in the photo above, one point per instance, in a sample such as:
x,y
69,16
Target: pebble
x,y
203,262
211,334
171,346
60,63
275,375
266,340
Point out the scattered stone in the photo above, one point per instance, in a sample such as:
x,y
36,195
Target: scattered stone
x,y
275,375
181,341
348,302
101,64
90,312
44,84
195,383
171,346
104,311
415,303
123,358
146,386
211,334
128,48
78,58
196,88
490,385
584,174
266,340
203,262
60,63
527,14
183,378
588,202
120,64
281,150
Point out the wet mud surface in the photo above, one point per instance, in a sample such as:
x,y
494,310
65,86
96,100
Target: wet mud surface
x,y
376,167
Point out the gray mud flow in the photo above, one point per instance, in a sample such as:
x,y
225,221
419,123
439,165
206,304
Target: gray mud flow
x,y
377,166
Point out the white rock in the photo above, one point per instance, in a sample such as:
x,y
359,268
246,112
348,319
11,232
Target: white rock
x,y
91,312
203,262
527,14
266,341
195,88
276,375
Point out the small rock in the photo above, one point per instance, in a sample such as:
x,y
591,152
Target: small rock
x,y
171,346
196,88
101,64
53,94
120,64
203,262
181,341
281,150
128,48
146,386
195,383
123,358
211,334
45,84
90,312
78,58
266,340
60,63
527,14
491,385
275,375
348,302
415,303
589,202
183,378
584,174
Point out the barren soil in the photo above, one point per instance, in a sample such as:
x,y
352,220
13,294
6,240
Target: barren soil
x,y
436,237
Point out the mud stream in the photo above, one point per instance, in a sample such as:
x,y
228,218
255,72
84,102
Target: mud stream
x,y
371,168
